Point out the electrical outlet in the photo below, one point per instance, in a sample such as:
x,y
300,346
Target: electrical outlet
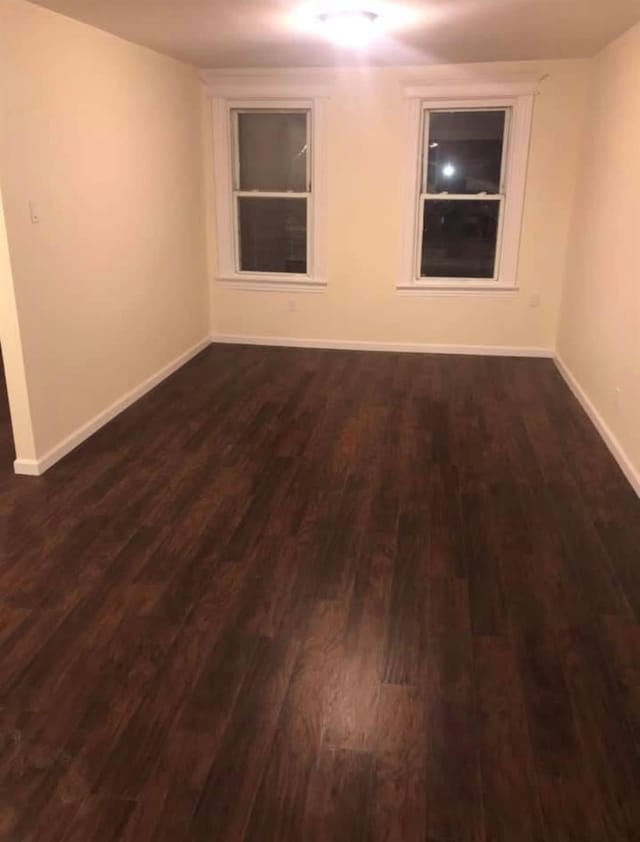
x,y
292,305
534,300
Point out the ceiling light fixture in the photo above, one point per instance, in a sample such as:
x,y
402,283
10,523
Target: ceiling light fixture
x,y
349,28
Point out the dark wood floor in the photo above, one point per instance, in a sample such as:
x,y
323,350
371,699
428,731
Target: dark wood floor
x,y
321,596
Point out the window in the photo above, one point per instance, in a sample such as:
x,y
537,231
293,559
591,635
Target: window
x,y
272,187
462,184
468,201
269,189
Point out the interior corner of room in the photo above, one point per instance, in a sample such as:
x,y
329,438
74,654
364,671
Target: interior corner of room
x,y
121,253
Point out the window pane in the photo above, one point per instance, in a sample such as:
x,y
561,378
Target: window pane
x,y
465,151
459,238
273,234
272,151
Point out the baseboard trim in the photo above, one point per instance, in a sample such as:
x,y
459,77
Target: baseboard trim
x,y
27,467
37,467
398,347
616,449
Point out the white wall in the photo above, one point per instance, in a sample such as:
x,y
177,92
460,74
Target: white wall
x,y
105,138
599,334
366,216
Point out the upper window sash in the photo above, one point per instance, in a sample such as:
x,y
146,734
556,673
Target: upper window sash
x,y
425,126
235,118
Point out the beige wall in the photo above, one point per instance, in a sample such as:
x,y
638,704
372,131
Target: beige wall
x,y
12,356
366,216
599,335
105,138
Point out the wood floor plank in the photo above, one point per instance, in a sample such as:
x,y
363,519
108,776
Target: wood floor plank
x,y
278,810
136,751
455,807
335,806
397,810
295,594
509,781
168,801
229,791
604,732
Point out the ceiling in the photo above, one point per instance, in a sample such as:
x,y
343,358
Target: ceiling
x,y
276,33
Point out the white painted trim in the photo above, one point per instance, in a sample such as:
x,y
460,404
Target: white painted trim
x,y
254,86
411,178
36,467
459,89
399,347
458,289
248,91
515,165
256,283
27,467
223,186
319,203
515,177
223,190
616,449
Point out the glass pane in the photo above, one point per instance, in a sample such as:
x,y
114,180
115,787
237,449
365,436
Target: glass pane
x,y
273,234
459,238
272,151
465,151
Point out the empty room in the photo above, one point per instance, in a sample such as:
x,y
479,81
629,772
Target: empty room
x,y
320,421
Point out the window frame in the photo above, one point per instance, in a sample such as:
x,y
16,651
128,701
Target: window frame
x,y
517,100
270,194
225,107
424,196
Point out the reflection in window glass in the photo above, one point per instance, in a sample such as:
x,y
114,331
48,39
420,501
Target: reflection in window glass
x,y
464,153
272,151
459,238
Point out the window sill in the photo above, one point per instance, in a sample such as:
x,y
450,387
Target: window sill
x,y
457,289
258,283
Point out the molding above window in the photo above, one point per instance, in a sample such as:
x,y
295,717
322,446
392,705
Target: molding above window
x,y
262,87
479,89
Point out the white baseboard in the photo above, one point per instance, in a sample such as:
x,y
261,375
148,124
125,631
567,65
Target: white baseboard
x,y
402,347
27,467
617,451
36,467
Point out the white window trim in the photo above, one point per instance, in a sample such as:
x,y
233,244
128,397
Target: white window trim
x,y
224,99
519,98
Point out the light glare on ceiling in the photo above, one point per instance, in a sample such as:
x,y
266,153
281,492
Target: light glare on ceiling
x,y
349,28
354,23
